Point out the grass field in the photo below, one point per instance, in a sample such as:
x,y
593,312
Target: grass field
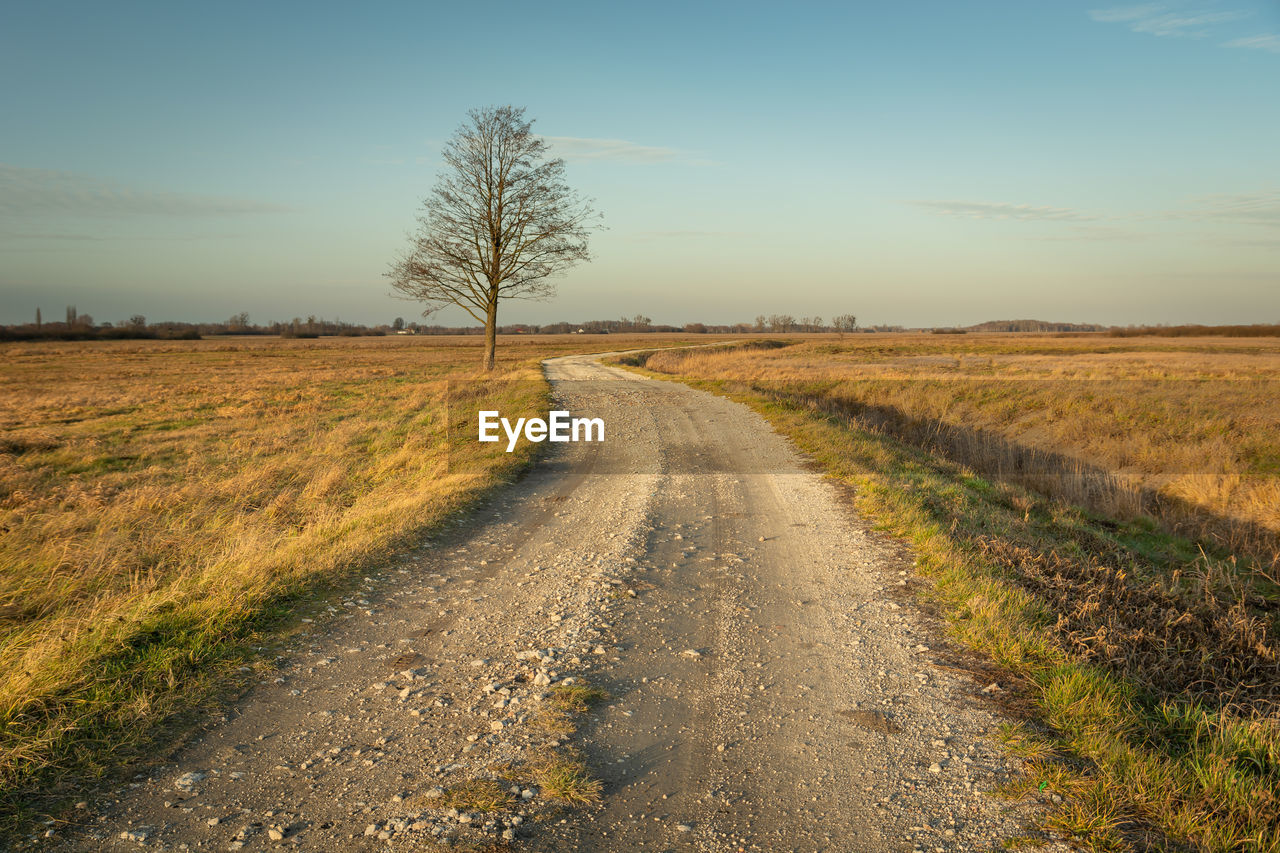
x,y
165,507
1141,649
1093,515
1185,431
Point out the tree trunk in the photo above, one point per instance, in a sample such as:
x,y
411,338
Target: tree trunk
x,y
491,334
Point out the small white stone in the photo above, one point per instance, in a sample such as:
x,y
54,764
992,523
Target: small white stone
x,y
189,780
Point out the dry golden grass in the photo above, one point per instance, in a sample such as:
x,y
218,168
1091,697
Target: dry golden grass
x,y
478,795
158,498
1129,425
576,698
566,778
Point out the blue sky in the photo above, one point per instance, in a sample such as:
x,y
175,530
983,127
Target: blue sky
x,y
915,163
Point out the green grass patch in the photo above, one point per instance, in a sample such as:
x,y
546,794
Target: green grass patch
x,y
567,779
576,698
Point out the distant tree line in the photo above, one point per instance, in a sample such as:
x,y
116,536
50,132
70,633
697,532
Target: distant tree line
x,y
75,326
1257,330
1033,326
641,324
82,327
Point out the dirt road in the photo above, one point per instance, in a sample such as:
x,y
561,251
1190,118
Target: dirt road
x,y
770,687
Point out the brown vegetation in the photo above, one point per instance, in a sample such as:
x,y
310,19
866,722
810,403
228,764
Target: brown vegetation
x,y
163,504
1187,433
1256,330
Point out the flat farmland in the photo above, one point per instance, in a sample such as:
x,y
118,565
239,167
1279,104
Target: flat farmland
x,y
1184,430
165,505
1080,560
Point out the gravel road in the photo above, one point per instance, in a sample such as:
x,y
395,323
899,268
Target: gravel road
x,y
771,686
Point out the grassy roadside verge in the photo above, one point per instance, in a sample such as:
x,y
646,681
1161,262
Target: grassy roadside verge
x,y
1184,434
1150,675
168,512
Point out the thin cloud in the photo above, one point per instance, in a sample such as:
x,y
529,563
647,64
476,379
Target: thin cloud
x,y
1005,210
25,192
1252,208
1254,244
620,150
1269,42
1159,20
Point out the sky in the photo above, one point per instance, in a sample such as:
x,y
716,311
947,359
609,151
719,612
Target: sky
x,y
912,163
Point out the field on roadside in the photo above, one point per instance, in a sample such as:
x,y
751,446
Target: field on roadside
x,y
165,505
1186,431
1093,517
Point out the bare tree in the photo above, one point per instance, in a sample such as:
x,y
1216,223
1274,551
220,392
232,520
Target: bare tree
x,y
499,223
781,322
845,323
811,324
